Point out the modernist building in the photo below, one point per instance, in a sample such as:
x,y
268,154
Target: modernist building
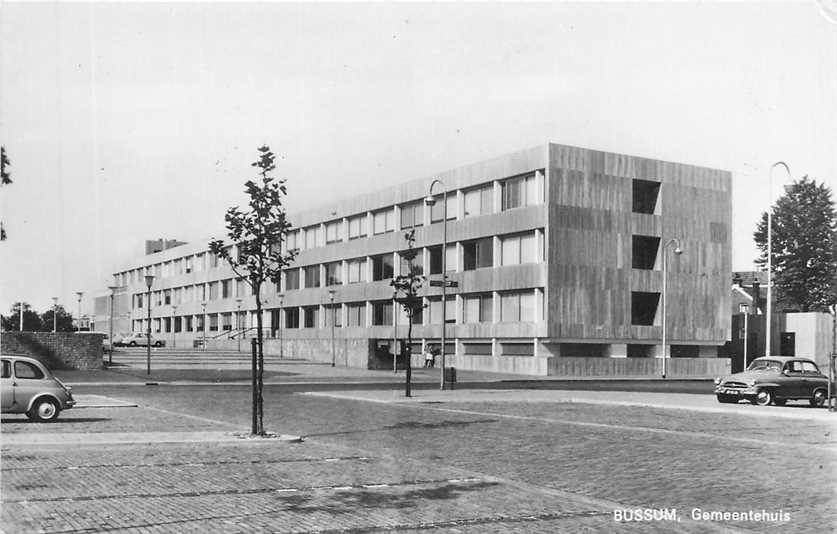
x,y
557,253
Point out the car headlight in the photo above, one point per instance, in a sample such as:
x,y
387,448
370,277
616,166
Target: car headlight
x,y
751,383
717,381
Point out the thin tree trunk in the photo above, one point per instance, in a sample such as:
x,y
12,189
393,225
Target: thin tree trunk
x,y
259,365
409,363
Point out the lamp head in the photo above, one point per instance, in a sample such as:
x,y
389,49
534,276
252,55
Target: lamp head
x,y
678,250
429,200
331,293
149,279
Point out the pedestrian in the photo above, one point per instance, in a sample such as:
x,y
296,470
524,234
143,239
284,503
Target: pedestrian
x,y
428,357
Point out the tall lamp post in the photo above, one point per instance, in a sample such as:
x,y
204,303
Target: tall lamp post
x,y
331,293
770,254
79,294
110,352
281,297
55,314
678,251
238,322
429,200
203,325
149,279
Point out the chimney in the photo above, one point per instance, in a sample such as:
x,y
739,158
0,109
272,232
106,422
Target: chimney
x,y
756,296
737,280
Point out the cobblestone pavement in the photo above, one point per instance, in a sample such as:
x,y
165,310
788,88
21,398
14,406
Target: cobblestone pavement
x,y
450,467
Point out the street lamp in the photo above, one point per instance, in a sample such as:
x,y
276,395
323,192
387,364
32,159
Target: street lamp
x,y
281,297
746,309
238,323
110,352
55,314
203,324
770,254
173,333
678,251
331,293
429,200
149,279
78,327
394,332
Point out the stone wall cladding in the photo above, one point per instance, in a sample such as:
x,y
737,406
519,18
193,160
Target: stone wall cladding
x,y
56,350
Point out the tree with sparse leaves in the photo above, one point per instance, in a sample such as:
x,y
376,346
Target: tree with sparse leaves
x,y
63,320
31,320
257,235
407,287
5,179
804,243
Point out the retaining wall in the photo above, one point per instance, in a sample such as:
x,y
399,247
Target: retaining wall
x,y
56,350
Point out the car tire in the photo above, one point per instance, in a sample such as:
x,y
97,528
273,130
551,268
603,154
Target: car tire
x,y
158,344
44,410
726,399
780,402
132,344
764,397
818,398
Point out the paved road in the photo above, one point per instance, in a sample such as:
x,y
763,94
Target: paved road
x,y
460,461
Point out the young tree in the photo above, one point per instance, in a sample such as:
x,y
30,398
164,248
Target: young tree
x,y
804,242
63,320
258,235
31,320
408,285
5,179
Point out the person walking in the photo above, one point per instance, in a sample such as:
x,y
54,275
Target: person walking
x,y
429,357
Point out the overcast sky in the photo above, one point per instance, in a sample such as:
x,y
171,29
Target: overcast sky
x,y
128,122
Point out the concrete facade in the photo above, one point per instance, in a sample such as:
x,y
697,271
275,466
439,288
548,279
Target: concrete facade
x,y
557,252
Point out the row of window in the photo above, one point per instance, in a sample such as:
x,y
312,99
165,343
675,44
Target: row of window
x,y
219,289
511,306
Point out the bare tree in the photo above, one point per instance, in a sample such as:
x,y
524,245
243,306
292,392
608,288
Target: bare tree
x,y
408,286
258,235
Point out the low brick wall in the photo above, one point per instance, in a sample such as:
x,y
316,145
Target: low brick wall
x,y
59,350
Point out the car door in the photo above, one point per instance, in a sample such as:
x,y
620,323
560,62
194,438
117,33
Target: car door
x,y
28,382
6,388
792,382
813,378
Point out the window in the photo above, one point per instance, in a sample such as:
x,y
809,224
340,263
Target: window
x,y
313,237
213,290
644,307
27,370
478,254
356,314
139,300
200,323
450,258
517,249
357,226
240,287
334,273
158,270
7,369
436,310
437,211
334,231
189,264
479,308
188,326
213,322
412,215
200,262
479,201
167,324
213,260
291,317
382,313
357,270
644,251
517,307
311,315
292,240
292,279
644,196
383,221
418,263
226,289
176,295
312,276
435,259
333,311
382,268
520,191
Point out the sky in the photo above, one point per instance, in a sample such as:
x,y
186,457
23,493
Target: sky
x,y
127,122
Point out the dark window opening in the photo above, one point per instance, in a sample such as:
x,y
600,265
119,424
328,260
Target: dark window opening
x,y
291,317
645,195
435,260
478,254
382,267
644,307
684,351
641,351
644,251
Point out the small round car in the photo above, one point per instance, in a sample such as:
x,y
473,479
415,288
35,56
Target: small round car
x,y
775,380
28,387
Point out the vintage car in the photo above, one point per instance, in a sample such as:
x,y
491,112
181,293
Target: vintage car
x,y
140,339
28,387
775,380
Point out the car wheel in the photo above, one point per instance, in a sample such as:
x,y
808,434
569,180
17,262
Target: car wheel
x,y
726,399
818,398
43,410
780,402
132,344
764,397
158,344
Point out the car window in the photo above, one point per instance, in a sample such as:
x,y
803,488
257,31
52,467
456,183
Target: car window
x,y
7,369
794,367
765,365
810,368
27,370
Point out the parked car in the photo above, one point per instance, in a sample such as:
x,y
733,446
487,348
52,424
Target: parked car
x,y
26,386
140,339
775,380
121,340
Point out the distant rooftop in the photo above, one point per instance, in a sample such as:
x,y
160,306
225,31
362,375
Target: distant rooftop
x,y
153,246
748,277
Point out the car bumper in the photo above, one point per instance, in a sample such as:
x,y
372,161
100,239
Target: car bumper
x,y
736,392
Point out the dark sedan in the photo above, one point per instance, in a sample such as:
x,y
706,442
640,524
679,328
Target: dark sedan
x,y
775,380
